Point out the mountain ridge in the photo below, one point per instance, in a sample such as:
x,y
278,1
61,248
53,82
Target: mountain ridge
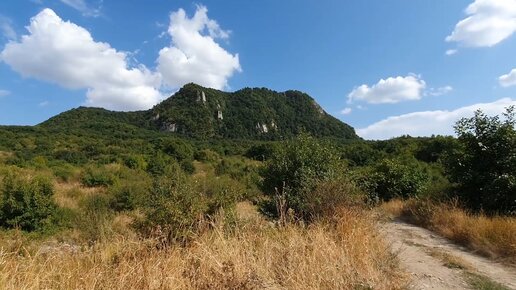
x,y
202,113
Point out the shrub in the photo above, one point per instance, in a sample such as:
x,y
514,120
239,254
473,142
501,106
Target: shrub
x,y
135,162
178,149
98,176
160,164
207,155
295,170
393,179
222,193
173,209
329,196
129,195
64,171
27,203
261,152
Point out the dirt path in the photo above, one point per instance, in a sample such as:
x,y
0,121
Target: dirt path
x,y
436,263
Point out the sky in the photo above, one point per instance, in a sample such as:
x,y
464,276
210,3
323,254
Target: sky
x,y
387,68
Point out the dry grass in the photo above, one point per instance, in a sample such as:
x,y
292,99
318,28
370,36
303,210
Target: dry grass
x,y
493,237
69,195
344,253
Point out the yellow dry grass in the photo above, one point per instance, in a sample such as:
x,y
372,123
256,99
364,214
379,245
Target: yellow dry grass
x,y
492,236
69,195
345,252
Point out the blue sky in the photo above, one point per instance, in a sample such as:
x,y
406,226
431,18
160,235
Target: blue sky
x,y
385,67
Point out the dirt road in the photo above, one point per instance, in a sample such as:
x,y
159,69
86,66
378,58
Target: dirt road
x,y
436,263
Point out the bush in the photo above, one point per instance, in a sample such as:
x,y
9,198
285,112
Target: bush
x,y
173,209
129,195
329,196
135,162
207,155
261,152
178,149
98,176
27,203
393,179
64,171
222,193
296,169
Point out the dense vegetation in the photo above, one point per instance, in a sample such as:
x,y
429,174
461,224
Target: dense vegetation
x,y
203,113
90,176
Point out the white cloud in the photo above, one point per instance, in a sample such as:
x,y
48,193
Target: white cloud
x,y
434,92
451,51
488,22
83,7
509,79
64,53
44,103
194,55
429,122
390,91
7,29
346,111
4,93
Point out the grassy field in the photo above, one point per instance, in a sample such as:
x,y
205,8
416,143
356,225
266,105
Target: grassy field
x,y
343,252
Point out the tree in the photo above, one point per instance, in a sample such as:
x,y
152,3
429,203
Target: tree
x,y
394,179
295,170
484,166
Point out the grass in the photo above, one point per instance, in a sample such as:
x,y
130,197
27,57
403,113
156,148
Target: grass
x,y
450,261
490,236
480,282
343,252
475,280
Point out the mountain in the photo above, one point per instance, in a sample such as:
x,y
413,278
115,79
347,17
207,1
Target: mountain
x,y
202,113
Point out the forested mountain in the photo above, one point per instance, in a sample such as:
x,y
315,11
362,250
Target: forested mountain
x,y
203,113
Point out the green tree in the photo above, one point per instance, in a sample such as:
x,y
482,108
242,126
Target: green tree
x,y
484,165
393,179
295,170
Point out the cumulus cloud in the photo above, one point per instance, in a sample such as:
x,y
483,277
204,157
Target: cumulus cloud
x,y
451,51
7,29
390,91
509,79
194,54
346,111
434,92
488,22
82,7
64,53
428,123
4,93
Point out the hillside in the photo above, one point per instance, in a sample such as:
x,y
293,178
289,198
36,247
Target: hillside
x,y
203,113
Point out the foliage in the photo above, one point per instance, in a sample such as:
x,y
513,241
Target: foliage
x,y
261,152
173,209
98,176
393,179
296,169
26,203
135,161
483,167
207,155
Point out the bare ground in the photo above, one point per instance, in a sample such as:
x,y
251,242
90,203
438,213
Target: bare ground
x,y
436,263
